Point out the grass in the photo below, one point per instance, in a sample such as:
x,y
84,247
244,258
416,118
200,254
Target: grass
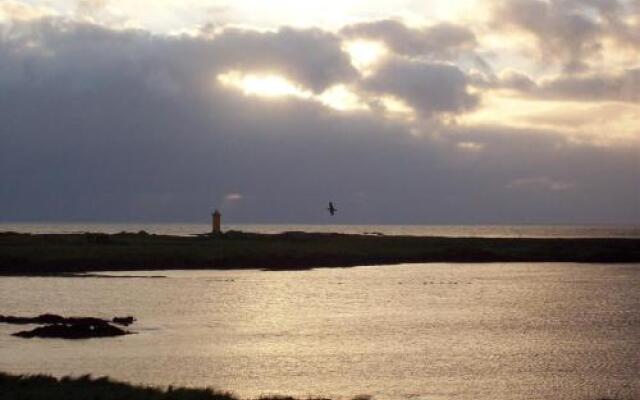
x,y
70,253
44,387
41,387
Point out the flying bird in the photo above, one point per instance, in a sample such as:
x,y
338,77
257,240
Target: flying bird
x,y
332,210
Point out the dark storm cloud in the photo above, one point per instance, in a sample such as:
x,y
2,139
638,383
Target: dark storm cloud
x,y
430,88
526,172
311,57
97,124
444,40
416,72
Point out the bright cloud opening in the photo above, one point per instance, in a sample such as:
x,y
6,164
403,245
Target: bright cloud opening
x,y
365,54
342,98
338,97
397,108
267,85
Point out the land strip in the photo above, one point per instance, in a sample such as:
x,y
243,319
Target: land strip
x,y
37,254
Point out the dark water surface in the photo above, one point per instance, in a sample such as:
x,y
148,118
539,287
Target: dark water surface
x,y
421,331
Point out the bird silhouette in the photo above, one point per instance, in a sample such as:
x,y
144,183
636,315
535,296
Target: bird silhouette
x,y
332,210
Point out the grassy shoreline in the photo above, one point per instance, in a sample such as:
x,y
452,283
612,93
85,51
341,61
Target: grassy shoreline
x,y
40,387
37,254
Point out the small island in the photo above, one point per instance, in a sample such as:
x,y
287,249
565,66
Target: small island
x,y
41,254
58,327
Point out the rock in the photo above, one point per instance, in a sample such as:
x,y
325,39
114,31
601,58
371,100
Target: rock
x,y
78,330
124,321
57,319
57,326
40,319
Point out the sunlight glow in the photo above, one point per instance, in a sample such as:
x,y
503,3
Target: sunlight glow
x,y
180,15
365,54
271,86
11,10
342,98
267,85
596,123
397,108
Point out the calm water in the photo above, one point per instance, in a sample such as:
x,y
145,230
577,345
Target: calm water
x,y
422,331
538,231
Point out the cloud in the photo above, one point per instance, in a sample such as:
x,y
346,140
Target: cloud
x,y
540,183
572,33
11,10
90,7
443,40
508,78
429,88
512,79
311,57
562,32
233,197
623,86
103,124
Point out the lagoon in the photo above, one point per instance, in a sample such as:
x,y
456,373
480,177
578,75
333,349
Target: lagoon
x,y
411,331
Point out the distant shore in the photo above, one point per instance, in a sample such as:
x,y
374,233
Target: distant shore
x,y
38,254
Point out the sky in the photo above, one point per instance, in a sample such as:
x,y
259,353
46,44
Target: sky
x,y
400,112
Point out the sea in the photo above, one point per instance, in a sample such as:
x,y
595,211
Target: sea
x,y
561,331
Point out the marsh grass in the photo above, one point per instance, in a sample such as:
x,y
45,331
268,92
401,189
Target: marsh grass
x,y
43,387
69,253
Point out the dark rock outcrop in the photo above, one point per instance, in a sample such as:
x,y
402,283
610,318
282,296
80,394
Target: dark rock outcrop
x,y
73,331
50,319
56,326
124,321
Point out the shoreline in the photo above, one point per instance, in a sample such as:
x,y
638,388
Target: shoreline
x,y
87,387
59,254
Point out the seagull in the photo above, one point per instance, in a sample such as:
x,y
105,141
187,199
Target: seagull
x,y
332,210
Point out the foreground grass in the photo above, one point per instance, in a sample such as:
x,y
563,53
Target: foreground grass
x,y
68,253
44,387
41,387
